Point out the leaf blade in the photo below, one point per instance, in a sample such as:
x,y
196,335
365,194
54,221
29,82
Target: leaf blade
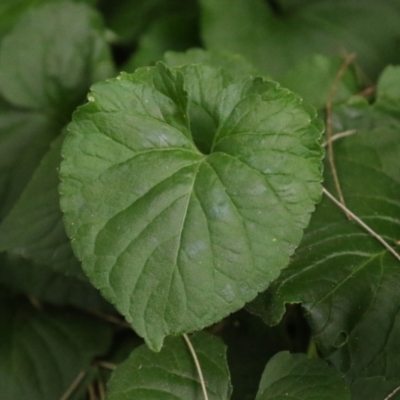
x,y
161,242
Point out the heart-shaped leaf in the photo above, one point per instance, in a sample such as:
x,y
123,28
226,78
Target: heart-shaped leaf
x,y
185,191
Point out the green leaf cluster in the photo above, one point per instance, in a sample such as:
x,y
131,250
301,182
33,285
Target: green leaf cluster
x,y
199,200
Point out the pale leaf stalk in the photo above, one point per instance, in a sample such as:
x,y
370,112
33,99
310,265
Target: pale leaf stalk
x,y
341,135
101,389
329,130
92,394
390,395
198,367
73,385
362,224
106,365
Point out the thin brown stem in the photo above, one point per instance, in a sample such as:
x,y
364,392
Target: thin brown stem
x,y
106,365
101,389
198,367
35,302
329,129
390,395
92,393
110,318
367,91
73,385
362,224
341,135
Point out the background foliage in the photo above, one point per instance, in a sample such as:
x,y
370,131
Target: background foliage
x,y
327,326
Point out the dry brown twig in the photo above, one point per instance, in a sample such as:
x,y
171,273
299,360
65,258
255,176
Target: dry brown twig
x,y
362,224
390,395
198,367
329,129
74,385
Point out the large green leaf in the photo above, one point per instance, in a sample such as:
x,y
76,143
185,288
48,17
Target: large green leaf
x,y
171,374
41,353
34,229
175,237
347,281
47,63
277,41
296,377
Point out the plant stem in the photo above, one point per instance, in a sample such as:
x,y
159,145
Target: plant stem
x,y
362,224
198,367
73,385
341,135
329,130
390,395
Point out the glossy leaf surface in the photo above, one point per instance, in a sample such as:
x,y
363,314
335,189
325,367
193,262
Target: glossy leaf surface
x,y
186,191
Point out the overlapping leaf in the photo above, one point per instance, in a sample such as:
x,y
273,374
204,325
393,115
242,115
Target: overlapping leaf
x,y
42,353
47,63
172,374
185,192
277,40
34,229
48,286
346,280
297,377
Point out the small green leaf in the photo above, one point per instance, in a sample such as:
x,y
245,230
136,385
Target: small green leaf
x,y
41,353
177,238
172,374
296,377
34,229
